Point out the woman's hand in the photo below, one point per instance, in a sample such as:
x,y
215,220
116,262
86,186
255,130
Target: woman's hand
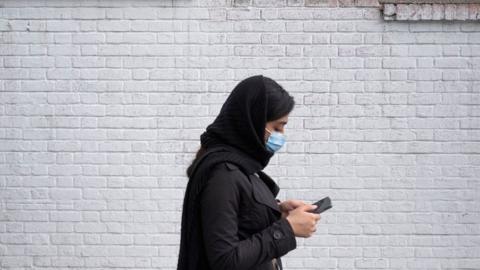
x,y
289,205
303,223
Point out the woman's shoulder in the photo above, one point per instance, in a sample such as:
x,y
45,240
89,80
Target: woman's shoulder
x,y
229,171
227,178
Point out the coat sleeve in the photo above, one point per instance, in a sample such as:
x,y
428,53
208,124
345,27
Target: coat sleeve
x,y
219,209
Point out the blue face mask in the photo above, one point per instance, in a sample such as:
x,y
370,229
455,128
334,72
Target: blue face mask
x,y
275,141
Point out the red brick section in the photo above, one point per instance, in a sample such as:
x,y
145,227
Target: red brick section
x,y
400,10
306,3
413,12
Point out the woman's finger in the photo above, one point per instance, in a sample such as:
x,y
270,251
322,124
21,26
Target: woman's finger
x,y
294,203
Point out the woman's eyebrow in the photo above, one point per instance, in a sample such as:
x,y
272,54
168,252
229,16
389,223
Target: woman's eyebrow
x,y
283,122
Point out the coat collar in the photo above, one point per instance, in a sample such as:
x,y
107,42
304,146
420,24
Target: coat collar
x,y
274,188
265,190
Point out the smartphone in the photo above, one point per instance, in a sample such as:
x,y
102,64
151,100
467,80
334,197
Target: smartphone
x,y
323,205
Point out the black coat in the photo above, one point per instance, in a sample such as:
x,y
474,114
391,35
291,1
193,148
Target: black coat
x,y
241,221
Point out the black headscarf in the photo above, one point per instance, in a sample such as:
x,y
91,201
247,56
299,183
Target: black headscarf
x,y
237,136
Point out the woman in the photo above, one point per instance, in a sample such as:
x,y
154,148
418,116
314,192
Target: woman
x,y
231,219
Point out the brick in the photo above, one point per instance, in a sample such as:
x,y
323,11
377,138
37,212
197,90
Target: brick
x,y
389,9
109,50
62,26
295,39
320,50
243,14
320,3
319,26
268,3
113,25
65,193
424,50
398,62
398,38
88,13
452,62
346,38
139,13
243,38
372,50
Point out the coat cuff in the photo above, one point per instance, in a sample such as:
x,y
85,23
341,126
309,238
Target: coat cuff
x,y
283,237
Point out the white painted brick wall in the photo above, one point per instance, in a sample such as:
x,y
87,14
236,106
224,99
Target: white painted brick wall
x,y
102,104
